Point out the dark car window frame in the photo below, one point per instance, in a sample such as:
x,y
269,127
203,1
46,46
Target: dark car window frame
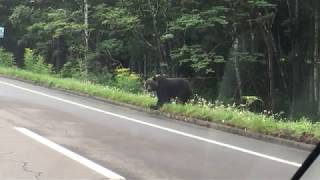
x,y
307,163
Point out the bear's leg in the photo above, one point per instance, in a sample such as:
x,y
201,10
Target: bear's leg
x,y
182,99
157,106
154,107
160,102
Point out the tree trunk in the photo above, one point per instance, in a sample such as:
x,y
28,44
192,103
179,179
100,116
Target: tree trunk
x,y
86,24
168,59
156,36
294,59
267,36
145,66
316,56
294,86
86,34
271,78
236,67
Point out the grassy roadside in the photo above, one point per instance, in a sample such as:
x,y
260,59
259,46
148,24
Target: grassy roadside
x,y
302,130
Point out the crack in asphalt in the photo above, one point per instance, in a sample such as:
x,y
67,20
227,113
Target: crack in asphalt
x,y
26,169
24,164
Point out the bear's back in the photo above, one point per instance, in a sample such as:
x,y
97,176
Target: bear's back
x,y
176,87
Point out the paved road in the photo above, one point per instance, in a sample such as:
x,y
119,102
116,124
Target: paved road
x,y
133,144
23,158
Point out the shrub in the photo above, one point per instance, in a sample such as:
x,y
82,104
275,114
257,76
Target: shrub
x,y
6,58
103,78
252,103
35,63
72,69
127,81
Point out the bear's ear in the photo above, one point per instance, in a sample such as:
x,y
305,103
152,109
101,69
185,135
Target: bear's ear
x,y
156,77
165,75
153,78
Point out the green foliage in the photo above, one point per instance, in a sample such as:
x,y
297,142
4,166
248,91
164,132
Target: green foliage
x,y
215,16
76,69
21,16
103,78
6,58
195,37
205,19
251,102
247,57
113,46
197,58
72,69
37,27
35,63
127,81
58,22
166,37
115,18
187,21
250,99
261,3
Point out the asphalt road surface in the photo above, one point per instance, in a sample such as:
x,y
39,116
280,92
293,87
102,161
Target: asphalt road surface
x,y
48,134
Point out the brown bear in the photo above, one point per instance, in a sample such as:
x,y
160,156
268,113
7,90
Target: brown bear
x,y
169,88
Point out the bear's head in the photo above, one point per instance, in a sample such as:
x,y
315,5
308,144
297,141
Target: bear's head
x,y
151,84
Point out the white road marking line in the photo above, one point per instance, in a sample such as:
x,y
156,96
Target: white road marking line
x,y
269,157
86,162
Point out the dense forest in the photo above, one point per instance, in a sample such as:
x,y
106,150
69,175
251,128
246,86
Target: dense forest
x,y
235,51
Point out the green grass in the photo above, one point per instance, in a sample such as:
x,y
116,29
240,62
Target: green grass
x,y
300,130
110,93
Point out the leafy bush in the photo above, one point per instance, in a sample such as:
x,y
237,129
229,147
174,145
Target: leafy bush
x,y
35,63
127,81
103,78
73,69
252,103
6,58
